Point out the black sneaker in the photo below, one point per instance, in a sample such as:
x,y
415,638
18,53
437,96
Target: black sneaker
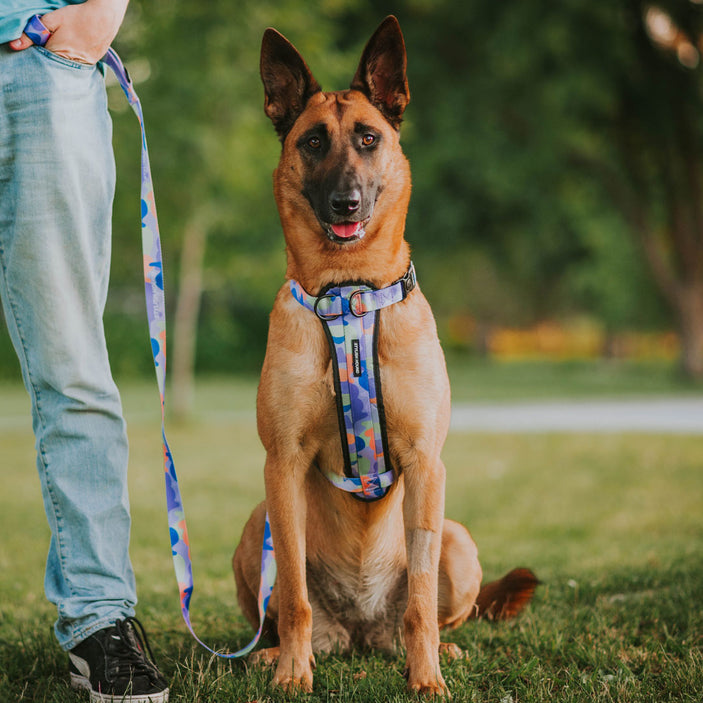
x,y
113,665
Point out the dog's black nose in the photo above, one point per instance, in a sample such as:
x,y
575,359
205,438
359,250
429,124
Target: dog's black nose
x,y
345,202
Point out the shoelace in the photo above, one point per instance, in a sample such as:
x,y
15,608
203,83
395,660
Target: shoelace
x,y
133,653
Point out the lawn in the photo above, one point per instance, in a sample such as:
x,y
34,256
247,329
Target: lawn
x,y
612,525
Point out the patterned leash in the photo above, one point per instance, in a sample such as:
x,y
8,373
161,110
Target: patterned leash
x,y
156,313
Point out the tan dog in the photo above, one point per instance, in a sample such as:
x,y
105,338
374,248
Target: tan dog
x,y
352,573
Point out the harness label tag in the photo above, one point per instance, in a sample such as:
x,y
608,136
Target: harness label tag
x,y
356,357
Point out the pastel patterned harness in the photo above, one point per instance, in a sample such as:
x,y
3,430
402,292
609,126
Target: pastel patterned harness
x,y
350,314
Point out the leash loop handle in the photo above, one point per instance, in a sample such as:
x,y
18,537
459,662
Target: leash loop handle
x,y
156,314
36,31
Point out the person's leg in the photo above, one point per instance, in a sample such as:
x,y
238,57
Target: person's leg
x,y
56,189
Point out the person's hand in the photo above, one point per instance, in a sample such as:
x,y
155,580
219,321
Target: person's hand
x,y
81,32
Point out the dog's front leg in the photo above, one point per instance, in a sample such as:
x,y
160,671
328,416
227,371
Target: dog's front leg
x,y
285,502
423,514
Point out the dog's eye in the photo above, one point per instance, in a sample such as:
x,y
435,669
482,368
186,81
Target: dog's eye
x,y
368,139
314,142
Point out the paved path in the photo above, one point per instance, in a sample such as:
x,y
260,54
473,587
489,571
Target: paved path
x,y
656,415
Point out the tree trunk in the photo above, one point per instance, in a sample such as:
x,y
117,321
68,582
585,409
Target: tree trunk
x,y
690,310
484,333
190,287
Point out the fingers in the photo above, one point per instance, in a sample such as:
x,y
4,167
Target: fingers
x,y
24,42
85,31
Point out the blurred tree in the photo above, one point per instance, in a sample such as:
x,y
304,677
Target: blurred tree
x,y
652,150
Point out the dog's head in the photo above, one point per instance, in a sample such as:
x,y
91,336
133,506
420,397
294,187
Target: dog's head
x,y
342,176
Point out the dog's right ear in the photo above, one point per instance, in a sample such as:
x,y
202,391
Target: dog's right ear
x,y
288,82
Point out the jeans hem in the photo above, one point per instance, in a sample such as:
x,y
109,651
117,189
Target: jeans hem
x,y
91,629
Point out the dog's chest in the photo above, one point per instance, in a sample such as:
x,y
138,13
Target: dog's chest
x,y
355,592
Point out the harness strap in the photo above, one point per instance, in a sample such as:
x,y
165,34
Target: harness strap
x,y
362,299
349,314
156,313
360,484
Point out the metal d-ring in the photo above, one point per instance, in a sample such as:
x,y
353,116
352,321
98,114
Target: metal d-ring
x,y
322,315
351,304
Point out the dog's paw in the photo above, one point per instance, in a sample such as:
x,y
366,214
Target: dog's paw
x,y
294,675
451,651
435,688
294,684
264,657
427,685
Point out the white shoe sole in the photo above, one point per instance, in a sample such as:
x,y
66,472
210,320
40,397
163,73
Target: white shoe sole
x,y
81,682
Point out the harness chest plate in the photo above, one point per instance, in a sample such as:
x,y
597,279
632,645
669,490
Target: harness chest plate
x,y
350,316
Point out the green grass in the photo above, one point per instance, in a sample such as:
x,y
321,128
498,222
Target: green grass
x,y
612,524
476,380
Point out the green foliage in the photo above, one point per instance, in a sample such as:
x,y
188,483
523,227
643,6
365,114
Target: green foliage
x,y
534,134
509,102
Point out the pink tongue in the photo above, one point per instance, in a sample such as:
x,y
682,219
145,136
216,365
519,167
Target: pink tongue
x,y
346,230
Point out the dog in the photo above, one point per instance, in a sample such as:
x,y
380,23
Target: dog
x,y
383,573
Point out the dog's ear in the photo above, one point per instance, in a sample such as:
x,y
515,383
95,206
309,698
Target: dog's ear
x,y
288,83
381,75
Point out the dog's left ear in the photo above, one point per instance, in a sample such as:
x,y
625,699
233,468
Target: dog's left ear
x,y
381,75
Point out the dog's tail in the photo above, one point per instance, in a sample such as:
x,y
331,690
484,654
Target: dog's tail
x,y
506,598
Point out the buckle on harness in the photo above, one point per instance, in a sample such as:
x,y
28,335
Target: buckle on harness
x,y
409,280
322,315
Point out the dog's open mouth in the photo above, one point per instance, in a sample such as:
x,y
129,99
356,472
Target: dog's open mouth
x,y
345,232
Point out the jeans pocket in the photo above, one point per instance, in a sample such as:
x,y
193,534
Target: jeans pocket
x,y
62,60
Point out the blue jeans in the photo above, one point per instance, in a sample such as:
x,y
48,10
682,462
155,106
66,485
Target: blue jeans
x,y
57,179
